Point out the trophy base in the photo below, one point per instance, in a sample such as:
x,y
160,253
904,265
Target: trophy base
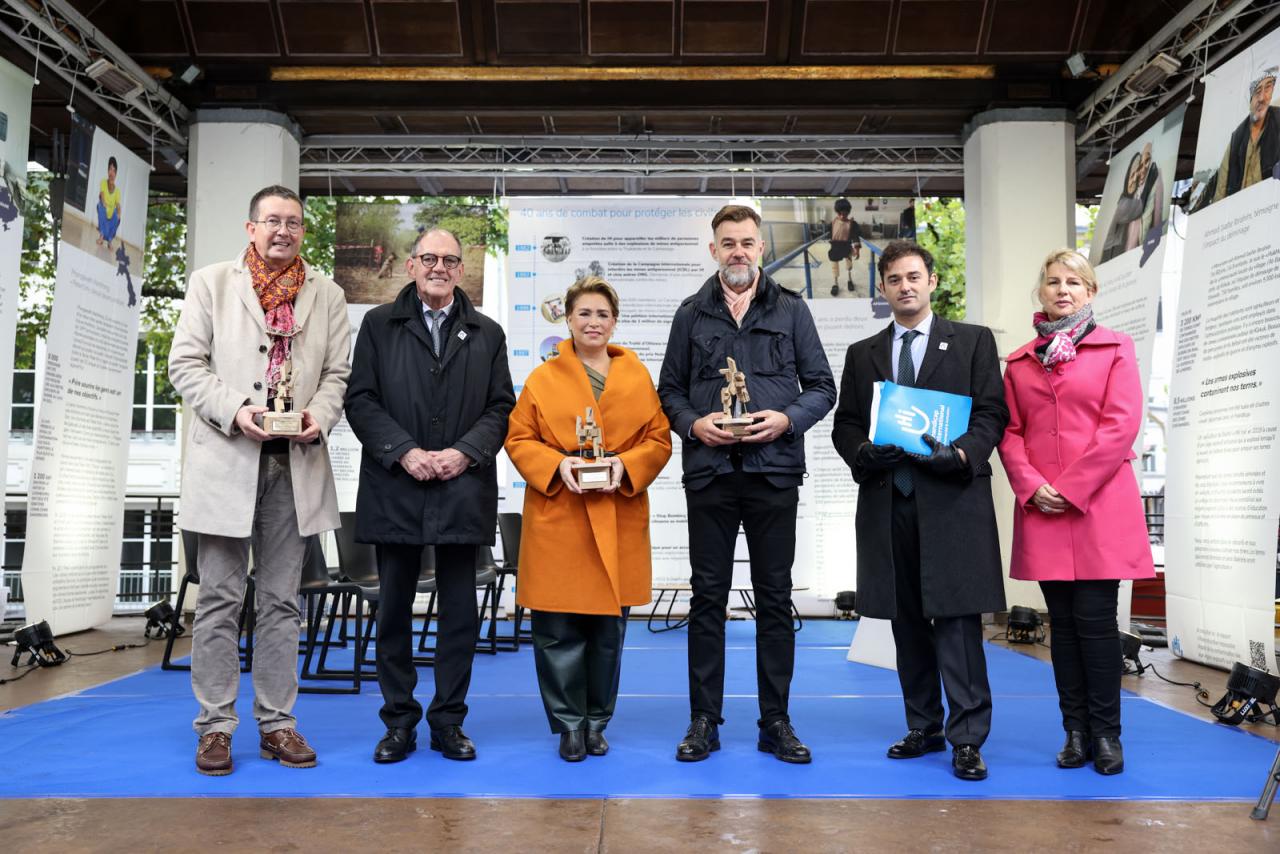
x,y
282,423
738,425
593,475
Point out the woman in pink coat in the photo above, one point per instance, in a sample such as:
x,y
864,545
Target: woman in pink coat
x,y
1075,406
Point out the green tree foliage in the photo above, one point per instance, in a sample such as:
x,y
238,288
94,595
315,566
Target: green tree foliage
x,y
1085,240
318,241
35,280
940,229
477,221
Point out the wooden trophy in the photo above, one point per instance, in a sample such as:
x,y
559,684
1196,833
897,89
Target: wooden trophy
x,y
282,420
734,398
596,473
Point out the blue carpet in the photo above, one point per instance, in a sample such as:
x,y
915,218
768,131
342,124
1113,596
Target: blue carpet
x,y
132,737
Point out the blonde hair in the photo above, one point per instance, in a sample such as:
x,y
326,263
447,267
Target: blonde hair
x,y
591,285
1073,261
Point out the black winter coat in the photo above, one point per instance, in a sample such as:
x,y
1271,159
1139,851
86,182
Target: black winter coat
x,y
960,567
778,349
401,396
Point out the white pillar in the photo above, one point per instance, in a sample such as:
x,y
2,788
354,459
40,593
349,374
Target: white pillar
x,y
233,154
1019,205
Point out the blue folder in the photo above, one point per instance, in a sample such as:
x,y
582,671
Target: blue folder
x,y
900,415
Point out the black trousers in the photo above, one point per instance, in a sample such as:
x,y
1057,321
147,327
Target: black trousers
x,y
456,626
1084,643
579,662
767,514
929,648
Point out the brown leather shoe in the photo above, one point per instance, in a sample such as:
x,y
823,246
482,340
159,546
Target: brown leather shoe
x,y
288,746
213,754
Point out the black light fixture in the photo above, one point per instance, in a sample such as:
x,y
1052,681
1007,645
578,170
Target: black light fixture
x,y
1130,648
1025,625
37,639
846,601
162,621
1248,688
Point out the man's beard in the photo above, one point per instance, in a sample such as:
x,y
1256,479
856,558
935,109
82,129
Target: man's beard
x,y
736,279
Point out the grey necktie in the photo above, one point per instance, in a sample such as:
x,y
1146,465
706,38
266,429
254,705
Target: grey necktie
x,y
435,317
903,480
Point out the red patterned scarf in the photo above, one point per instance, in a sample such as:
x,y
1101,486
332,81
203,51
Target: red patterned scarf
x,y
276,290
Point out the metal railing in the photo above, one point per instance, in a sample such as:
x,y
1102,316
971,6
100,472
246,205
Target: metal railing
x,y
148,552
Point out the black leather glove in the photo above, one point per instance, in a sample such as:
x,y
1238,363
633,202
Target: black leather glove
x,y
878,457
944,461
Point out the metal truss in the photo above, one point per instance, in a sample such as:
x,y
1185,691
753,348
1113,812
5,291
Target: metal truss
x,y
65,42
1202,35
562,157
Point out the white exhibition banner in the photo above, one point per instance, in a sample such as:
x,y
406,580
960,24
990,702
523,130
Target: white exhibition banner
x,y
75,512
15,127
1222,504
655,253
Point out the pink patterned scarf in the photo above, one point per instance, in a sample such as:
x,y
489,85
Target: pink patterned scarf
x,y
738,303
1057,339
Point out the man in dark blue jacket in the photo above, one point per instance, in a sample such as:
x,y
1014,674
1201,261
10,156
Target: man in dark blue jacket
x,y
753,480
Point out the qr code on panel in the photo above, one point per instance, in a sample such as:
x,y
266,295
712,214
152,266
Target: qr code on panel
x,y
1258,655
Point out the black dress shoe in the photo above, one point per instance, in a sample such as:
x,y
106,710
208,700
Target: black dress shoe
x,y
596,744
453,743
573,747
1076,751
1108,756
396,745
966,762
917,743
702,737
780,739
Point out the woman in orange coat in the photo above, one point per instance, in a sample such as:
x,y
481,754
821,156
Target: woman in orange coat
x,y
584,554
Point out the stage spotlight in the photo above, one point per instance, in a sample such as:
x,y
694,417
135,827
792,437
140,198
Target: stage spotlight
x,y
845,604
1130,648
37,639
162,621
1077,64
1247,689
1025,625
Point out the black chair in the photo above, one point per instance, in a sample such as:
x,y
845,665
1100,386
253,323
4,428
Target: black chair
x,y
486,579
316,587
509,529
191,552
358,566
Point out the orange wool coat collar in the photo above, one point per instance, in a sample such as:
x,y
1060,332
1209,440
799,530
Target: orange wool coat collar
x,y
558,553
570,394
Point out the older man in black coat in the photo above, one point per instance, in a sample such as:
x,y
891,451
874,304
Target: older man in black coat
x,y
928,551
429,397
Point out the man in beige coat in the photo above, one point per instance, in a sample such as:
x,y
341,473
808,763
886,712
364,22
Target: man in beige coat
x,y
248,326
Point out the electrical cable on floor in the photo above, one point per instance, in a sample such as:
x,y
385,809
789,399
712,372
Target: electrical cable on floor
x,y
24,673
117,648
1202,693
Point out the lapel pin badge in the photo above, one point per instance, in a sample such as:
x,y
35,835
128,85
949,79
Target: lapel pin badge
x,y
942,345
462,335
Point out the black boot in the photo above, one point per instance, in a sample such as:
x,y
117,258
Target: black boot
x,y
596,743
1108,756
573,747
1076,751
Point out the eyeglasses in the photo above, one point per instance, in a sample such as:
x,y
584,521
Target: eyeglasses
x,y
274,223
429,261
